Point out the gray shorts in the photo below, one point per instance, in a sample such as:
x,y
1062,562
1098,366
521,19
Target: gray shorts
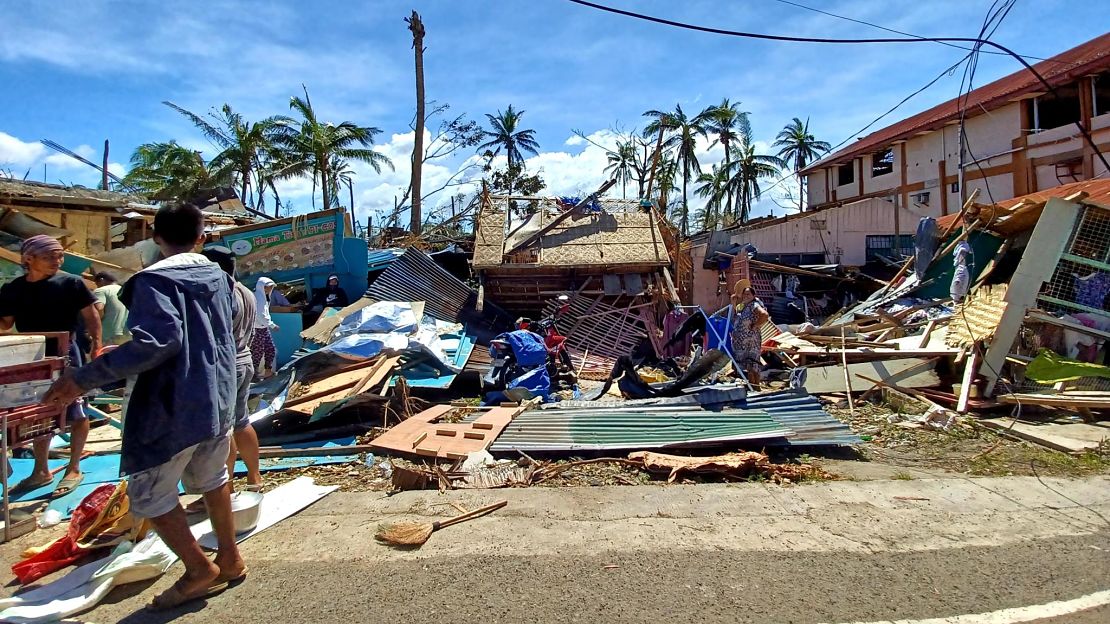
x,y
244,372
200,468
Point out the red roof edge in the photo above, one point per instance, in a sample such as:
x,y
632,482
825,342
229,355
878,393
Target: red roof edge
x,y
1090,57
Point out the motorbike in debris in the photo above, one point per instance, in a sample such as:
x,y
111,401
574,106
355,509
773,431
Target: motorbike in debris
x,y
530,345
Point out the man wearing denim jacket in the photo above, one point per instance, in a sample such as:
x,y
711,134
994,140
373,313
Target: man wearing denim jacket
x,y
182,358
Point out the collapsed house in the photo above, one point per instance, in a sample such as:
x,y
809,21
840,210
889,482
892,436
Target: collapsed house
x,y
614,258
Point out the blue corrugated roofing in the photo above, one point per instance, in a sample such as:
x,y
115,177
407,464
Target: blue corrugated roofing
x,y
381,258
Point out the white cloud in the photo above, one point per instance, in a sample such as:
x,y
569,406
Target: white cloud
x,y
15,153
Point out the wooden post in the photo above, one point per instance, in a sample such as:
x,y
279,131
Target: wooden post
x,y
104,176
847,374
417,28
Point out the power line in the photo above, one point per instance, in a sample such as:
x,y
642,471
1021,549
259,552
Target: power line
x,y
769,37
899,32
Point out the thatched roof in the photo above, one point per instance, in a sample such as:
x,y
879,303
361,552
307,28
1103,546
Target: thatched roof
x,y
611,232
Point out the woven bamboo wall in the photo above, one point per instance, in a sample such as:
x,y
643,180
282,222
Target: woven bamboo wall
x,y
489,239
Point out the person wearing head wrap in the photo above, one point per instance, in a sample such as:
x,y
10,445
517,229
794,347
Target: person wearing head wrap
x,y
263,350
47,299
748,318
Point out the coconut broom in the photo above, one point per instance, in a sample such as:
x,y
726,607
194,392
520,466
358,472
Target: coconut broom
x,y
416,533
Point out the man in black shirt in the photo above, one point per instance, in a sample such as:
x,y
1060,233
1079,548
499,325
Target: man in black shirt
x,y
47,299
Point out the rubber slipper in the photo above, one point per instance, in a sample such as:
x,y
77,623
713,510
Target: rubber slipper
x,y
196,507
27,485
67,485
173,597
233,580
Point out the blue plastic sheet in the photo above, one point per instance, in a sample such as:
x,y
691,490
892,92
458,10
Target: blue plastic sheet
x,y
528,347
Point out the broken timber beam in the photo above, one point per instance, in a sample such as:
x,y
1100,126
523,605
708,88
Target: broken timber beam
x,y
560,218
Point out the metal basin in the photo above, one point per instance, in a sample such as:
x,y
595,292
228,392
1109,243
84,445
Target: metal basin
x,y
245,510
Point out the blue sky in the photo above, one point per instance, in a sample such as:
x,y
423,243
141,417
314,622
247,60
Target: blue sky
x,y
81,72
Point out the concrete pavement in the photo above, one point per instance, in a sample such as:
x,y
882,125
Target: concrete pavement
x,y
827,552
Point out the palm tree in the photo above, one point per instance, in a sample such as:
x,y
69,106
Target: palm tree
x,y
749,168
798,147
714,187
505,134
621,164
724,121
315,148
246,148
168,171
683,133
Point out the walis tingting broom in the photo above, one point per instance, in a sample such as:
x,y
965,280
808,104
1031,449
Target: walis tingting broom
x,y
416,533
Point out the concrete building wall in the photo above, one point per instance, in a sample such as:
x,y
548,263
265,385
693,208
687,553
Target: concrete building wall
x,y
840,233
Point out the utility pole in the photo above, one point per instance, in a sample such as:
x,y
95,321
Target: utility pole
x,y
104,168
351,192
417,28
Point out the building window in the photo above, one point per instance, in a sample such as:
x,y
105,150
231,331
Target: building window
x,y
846,174
882,162
1054,111
1101,97
883,245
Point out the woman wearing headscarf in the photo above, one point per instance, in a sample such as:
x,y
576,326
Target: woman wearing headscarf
x,y
748,317
263,351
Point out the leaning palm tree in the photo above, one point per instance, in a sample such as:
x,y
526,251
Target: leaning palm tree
x,y
725,122
314,148
682,133
621,164
168,171
714,187
798,147
506,134
245,148
748,169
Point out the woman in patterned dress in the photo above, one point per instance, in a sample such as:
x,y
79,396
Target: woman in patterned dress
x,y
748,317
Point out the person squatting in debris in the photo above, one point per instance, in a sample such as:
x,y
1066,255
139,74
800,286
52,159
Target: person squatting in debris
x,y
47,299
244,441
182,355
330,296
263,350
748,317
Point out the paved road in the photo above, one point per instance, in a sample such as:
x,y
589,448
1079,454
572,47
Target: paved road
x,y
834,552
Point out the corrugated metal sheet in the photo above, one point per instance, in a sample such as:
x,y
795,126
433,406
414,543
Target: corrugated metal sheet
x,y
415,277
795,410
801,413
381,258
633,428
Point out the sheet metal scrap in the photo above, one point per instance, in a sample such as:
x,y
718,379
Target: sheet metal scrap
x,y
633,428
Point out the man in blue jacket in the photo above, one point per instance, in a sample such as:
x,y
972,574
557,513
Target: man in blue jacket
x,y
182,356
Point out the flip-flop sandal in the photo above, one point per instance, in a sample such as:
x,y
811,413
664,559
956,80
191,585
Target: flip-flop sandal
x,y
196,507
233,580
27,485
67,485
173,598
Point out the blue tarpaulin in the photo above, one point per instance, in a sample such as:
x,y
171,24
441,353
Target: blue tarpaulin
x,y
528,347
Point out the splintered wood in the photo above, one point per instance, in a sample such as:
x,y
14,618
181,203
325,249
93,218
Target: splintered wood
x,y
428,435
732,464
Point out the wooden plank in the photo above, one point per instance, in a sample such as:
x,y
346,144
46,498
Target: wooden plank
x,y
908,372
320,451
1067,438
422,435
1043,317
1072,400
968,380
